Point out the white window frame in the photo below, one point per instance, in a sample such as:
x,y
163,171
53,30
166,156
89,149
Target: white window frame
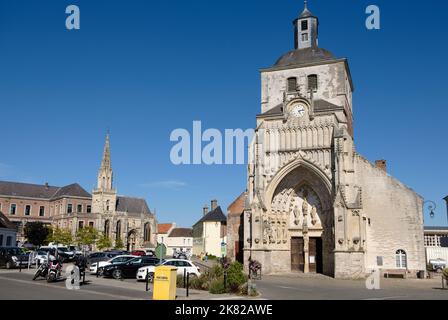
x,y
401,259
43,215
15,209
24,210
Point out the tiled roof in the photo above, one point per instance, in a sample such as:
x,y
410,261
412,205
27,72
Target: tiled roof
x,y
27,190
181,233
73,190
164,227
237,206
320,105
445,229
214,215
17,189
132,205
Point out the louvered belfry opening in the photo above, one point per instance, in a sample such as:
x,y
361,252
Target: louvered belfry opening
x,y
292,84
312,82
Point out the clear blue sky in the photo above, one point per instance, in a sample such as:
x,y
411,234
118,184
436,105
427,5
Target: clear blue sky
x,y
143,68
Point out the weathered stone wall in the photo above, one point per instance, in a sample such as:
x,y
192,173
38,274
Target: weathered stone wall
x,y
395,218
333,84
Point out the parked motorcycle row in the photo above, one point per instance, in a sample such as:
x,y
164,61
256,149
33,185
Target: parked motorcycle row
x,y
51,269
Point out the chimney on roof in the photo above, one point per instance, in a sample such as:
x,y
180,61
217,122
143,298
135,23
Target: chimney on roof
x,y
381,164
214,204
205,210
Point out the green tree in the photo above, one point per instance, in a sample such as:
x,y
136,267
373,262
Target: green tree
x,y
104,242
119,244
61,236
36,233
86,236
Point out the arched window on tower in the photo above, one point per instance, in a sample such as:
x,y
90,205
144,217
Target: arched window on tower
x,y
107,205
107,228
401,259
292,84
118,230
147,232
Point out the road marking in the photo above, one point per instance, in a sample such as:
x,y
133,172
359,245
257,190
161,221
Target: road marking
x,y
63,288
386,298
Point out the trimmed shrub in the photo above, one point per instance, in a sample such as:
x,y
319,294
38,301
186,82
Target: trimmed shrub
x,y
201,283
180,281
235,277
217,286
216,271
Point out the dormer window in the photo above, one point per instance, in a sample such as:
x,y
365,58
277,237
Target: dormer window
x,y
312,82
292,84
304,25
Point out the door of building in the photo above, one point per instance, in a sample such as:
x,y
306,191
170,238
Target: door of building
x,y
297,255
315,255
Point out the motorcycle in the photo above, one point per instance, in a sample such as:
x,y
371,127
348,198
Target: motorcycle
x,y
42,271
54,270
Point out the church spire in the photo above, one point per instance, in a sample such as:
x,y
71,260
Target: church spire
x,y
105,163
306,29
105,173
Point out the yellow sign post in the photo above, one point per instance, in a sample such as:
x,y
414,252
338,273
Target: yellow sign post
x,y
165,279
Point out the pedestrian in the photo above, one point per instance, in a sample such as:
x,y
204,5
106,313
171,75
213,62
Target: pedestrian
x,y
206,257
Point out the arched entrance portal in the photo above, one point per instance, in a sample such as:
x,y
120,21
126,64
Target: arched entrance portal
x,y
303,199
130,246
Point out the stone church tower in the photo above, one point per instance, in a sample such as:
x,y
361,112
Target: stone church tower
x,y
104,196
123,219
314,204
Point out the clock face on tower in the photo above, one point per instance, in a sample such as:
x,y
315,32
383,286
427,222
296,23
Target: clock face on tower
x,y
298,110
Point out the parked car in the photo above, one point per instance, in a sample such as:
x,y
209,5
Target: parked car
x,y
129,269
75,250
100,256
139,253
63,253
13,257
40,257
180,255
181,266
101,264
438,264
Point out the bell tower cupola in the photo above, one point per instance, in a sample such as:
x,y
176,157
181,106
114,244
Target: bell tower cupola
x,y
306,30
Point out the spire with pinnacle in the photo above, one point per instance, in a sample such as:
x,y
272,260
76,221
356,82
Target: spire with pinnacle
x,y
306,29
105,174
105,163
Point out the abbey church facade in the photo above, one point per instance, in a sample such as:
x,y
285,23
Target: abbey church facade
x,y
313,203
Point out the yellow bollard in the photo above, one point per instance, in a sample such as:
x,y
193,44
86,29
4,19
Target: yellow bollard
x,y
165,278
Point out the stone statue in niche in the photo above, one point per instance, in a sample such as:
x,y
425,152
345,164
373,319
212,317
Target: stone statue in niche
x,y
314,215
279,232
305,204
285,236
296,212
267,231
273,231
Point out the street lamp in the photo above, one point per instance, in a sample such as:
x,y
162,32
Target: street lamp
x,y
431,207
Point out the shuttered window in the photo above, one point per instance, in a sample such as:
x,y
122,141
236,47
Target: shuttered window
x,y
312,82
292,84
304,25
